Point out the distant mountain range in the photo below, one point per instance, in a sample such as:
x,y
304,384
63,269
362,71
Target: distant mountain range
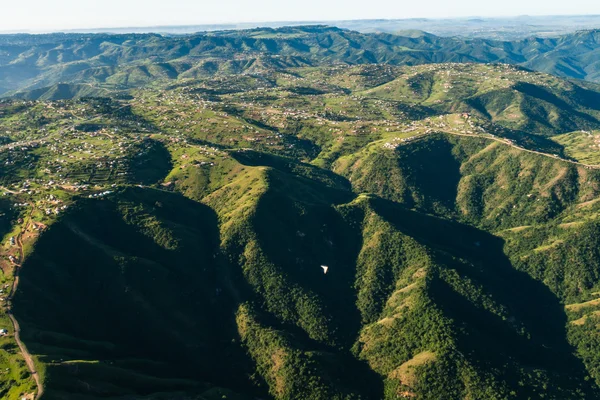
x,y
122,61
504,28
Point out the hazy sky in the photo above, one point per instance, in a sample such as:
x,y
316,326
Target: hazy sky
x,y
41,15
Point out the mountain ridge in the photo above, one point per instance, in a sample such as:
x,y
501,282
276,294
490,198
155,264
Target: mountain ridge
x,y
30,61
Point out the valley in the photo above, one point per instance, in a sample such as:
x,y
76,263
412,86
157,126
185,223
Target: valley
x,y
169,238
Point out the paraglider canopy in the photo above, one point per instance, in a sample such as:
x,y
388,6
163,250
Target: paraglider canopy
x,y
325,268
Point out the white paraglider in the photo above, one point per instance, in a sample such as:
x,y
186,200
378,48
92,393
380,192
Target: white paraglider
x,y
325,268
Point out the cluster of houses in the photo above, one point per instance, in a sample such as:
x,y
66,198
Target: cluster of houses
x,y
394,143
98,195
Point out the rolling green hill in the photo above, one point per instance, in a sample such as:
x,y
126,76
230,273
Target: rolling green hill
x,y
393,277
301,232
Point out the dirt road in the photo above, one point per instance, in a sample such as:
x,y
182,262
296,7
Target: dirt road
x,y
507,143
17,329
26,355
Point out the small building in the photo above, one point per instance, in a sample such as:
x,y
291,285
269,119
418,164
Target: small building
x,y
3,332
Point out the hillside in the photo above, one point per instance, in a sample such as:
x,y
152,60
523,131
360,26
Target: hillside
x,y
287,307
302,232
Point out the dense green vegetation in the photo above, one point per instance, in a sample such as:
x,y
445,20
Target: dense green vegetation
x,y
292,231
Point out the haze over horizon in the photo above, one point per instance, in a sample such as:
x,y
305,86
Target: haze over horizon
x,y
42,16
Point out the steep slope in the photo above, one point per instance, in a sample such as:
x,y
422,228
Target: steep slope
x,y
137,271
545,209
479,181
438,271
456,298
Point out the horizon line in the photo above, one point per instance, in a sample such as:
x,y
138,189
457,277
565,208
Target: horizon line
x,y
233,24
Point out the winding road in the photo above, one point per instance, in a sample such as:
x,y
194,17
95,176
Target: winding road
x,y
507,143
16,327
504,141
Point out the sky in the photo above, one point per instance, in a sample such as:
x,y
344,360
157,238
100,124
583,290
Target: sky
x,y
47,15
